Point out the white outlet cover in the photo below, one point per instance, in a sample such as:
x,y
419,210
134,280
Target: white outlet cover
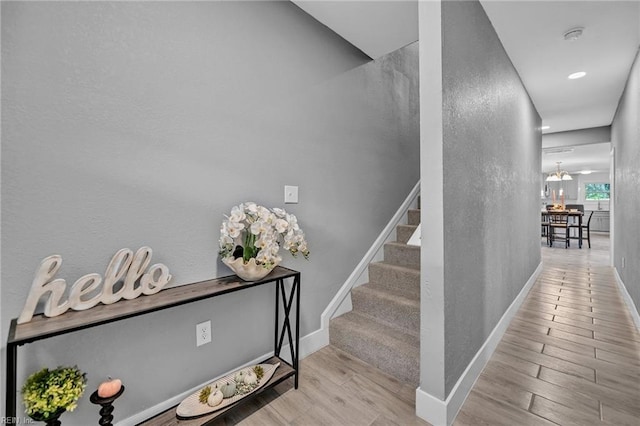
x,y
290,194
203,333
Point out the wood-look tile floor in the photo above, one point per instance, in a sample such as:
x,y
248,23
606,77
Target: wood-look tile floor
x,y
570,357
334,389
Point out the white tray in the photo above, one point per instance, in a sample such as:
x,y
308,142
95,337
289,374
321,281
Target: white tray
x,y
192,407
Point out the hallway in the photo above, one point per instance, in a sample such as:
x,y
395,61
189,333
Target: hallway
x,y
571,356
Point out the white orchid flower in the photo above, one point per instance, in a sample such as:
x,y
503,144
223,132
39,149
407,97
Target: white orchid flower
x,y
263,229
234,229
251,207
281,225
261,243
237,214
263,212
259,227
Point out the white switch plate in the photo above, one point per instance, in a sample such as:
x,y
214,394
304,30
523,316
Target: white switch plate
x,y
203,333
290,194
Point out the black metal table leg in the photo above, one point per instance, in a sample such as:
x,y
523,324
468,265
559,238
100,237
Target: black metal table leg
x,y
296,283
287,304
12,352
276,348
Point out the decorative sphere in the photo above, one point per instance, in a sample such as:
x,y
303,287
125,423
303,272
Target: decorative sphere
x,y
109,388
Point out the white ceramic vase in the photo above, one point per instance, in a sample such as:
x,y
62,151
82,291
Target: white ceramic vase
x,y
249,271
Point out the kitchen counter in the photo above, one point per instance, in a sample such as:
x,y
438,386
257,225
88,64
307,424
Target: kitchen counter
x,y
599,221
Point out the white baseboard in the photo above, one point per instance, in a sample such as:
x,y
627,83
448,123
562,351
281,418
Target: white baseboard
x,y
430,408
442,413
633,310
308,344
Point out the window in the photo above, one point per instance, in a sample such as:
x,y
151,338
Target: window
x,y
596,191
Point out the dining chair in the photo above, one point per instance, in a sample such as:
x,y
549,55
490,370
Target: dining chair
x,y
588,228
559,228
544,223
573,220
585,228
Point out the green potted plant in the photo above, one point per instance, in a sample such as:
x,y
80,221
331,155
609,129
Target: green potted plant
x,y
49,393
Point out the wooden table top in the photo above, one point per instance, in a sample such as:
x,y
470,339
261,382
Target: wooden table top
x,y
569,212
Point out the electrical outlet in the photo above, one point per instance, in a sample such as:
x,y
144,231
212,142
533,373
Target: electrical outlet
x,y
203,333
623,262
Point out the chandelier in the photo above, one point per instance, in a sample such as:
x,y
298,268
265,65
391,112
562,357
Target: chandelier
x,y
558,175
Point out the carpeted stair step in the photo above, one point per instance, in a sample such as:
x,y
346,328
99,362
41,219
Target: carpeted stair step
x,y
378,344
404,232
402,254
402,280
384,305
413,217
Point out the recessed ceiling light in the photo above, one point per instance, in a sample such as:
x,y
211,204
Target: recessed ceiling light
x,y
585,172
545,127
577,75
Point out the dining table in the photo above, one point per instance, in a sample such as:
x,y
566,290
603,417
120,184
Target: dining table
x,y
574,216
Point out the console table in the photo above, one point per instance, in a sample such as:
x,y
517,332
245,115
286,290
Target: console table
x,y
41,327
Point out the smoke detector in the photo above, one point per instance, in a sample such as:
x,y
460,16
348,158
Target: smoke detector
x,y
573,34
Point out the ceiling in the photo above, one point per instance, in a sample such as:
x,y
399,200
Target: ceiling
x,y
375,27
532,33
592,157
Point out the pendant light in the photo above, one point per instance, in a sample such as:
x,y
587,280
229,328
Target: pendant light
x,y
558,175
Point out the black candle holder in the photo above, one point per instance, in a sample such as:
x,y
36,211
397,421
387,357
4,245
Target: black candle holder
x,y
107,406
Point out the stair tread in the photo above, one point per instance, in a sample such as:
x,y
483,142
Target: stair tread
x,y
413,216
386,293
378,330
402,268
384,347
404,232
399,279
399,244
402,254
388,306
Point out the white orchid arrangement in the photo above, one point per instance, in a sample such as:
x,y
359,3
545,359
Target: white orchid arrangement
x,y
253,231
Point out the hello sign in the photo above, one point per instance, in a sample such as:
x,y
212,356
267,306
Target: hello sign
x,y
124,267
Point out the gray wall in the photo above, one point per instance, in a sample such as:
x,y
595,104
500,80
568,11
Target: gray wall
x,y
491,154
625,138
131,124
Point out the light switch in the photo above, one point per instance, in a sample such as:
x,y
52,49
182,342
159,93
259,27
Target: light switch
x,y
290,194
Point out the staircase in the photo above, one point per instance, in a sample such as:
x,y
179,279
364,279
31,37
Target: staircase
x,y
383,329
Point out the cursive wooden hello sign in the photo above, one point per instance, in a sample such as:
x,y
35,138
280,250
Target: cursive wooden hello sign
x,y
124,266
